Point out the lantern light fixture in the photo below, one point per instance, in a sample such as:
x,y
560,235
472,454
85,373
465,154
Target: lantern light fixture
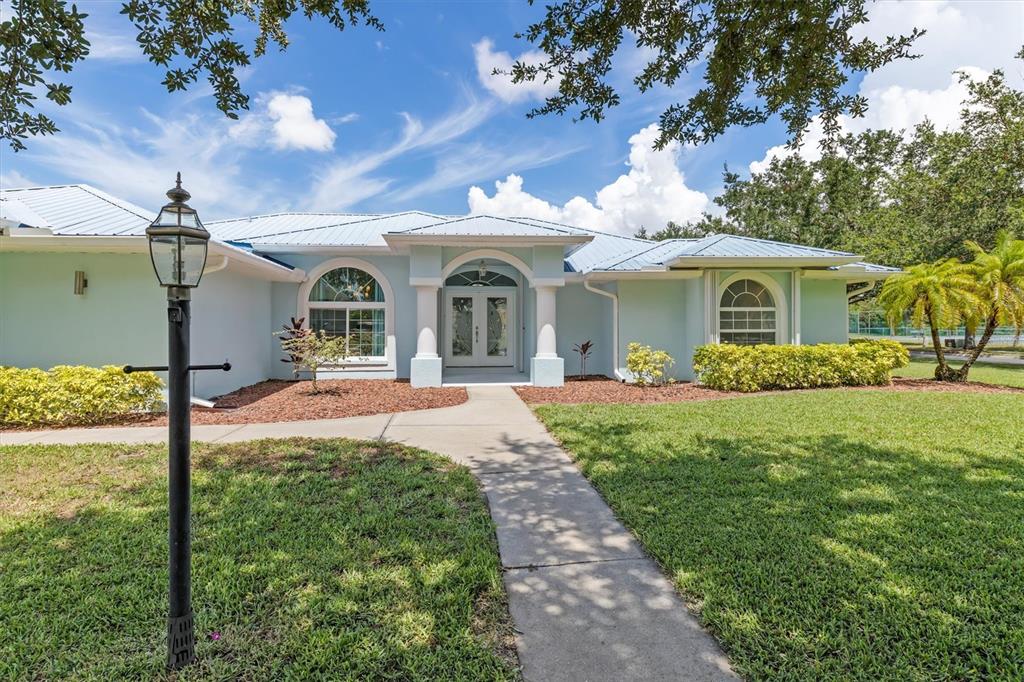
x,y
178,243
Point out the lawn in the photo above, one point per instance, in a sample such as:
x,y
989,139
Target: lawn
x,y
828,535
987,374
311,560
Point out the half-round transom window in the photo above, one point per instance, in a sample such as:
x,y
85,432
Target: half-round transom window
x,y
746,315
350,302
474,278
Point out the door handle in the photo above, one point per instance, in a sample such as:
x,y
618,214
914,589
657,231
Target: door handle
x,y
476,333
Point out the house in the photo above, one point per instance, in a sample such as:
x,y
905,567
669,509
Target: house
x,y
427,297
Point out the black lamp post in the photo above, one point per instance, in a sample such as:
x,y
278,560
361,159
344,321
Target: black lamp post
x,y
177,245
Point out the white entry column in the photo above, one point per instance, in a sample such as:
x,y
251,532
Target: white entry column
x,y
546,368
425,367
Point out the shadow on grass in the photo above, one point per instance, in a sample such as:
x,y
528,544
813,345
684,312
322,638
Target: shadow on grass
x,y
311,560
827,557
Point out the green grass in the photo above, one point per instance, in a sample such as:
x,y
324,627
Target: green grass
x,y
829,535
312,559
987,374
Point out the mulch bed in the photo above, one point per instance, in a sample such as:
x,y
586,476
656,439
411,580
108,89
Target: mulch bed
x,y
287,401
595,389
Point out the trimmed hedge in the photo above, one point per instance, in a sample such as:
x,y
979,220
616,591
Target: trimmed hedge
x,y
727,367
74,394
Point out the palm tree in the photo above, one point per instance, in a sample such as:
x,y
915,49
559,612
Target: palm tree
x,y
999,276
940,294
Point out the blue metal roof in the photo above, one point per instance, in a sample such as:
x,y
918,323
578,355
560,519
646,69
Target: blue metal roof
x,y
84,210
490,226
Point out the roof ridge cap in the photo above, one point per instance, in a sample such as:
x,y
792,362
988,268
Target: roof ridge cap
x,y
114,201
801,246
588,229
460,219
368,217
633,254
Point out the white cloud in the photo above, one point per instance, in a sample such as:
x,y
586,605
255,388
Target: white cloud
x,y
652,193
112,46
472,162
893,108
348,180
12,178
139,163
981,34
285,121
500,84
972,37
295,126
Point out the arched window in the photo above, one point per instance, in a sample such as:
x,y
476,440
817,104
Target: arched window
x,y
476,278
350,302
747,314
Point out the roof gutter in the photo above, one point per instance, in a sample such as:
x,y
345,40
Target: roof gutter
x,y
761,262
615,324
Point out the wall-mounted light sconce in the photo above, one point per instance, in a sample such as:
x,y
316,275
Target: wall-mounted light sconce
x,y
80,282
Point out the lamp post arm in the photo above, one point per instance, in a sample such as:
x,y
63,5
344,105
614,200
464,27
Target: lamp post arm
x,y
224,367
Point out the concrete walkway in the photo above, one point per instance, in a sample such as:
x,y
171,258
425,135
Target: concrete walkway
x,y
587,603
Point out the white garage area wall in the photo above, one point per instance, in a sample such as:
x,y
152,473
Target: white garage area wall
x,y
122,319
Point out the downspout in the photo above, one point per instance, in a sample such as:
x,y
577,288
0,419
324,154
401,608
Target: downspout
x,y
615,324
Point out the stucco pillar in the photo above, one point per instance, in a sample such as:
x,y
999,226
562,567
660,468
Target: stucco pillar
x,y
426,322
425,367
546,368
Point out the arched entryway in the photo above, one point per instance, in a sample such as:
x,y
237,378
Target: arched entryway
x,y
483,300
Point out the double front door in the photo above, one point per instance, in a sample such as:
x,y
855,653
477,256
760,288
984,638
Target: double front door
x,y
479,326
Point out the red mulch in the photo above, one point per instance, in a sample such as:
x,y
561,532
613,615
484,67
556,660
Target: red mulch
x,y
287,401
906,384
596,389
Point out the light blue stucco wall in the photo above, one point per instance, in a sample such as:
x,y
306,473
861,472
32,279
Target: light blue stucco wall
x,y
653,313
121,318
581,316
284,305
823,311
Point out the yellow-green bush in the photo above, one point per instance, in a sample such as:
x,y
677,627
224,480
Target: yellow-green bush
x,y
647,365
74,394
728,367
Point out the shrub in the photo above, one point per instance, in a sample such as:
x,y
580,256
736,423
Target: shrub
x,y
74,394
311,350
758,368
648,366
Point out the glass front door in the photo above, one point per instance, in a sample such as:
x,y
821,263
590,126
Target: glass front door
x,y
480,327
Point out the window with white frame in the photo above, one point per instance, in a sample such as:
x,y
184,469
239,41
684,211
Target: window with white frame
x,y
350,302
747,314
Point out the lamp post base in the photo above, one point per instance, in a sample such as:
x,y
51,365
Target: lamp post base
x,y
181,641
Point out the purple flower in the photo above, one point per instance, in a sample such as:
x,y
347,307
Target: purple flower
x,y
215,635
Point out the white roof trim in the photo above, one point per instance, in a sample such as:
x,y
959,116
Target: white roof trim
x,y
241,261
762,261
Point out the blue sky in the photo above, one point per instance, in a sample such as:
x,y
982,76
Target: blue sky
x,y
411,118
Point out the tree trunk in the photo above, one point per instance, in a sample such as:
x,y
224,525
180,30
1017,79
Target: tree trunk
x,y
990,328
942,370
